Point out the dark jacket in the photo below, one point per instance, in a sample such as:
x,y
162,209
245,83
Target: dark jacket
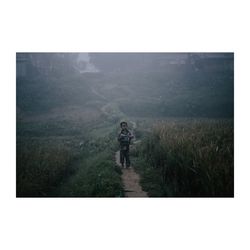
x,y
124,137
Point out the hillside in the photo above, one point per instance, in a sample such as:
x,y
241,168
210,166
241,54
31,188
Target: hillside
x,y
204,89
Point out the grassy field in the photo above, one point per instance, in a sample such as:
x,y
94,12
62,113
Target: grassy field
x,y
67,159
187,158
175,158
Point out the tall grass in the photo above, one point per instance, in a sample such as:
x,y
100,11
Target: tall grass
x,y
68,166
189,158
41,167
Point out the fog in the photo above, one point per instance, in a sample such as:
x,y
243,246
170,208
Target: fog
x,y
136,84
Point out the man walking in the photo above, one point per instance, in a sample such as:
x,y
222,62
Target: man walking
x,y
124,137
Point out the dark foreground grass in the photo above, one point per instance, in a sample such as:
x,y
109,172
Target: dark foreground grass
x,y
98,176
192,158
60,168
41,167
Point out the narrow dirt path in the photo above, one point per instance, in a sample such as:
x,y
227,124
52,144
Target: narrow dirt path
x,y
131,180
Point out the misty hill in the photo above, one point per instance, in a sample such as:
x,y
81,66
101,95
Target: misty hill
x,y
141,84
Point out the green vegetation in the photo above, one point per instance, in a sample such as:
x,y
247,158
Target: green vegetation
x,y
188,158
67,164
97,177
41,167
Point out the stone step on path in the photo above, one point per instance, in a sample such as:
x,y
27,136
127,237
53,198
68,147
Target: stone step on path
x,y
131,180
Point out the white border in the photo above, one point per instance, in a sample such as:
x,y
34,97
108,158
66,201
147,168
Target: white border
x,y
136,26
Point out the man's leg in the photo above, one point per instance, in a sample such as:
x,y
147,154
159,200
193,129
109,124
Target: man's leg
x,y
122,158
127,158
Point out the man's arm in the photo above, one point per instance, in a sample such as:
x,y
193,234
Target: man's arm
x,y
131,136
119,137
